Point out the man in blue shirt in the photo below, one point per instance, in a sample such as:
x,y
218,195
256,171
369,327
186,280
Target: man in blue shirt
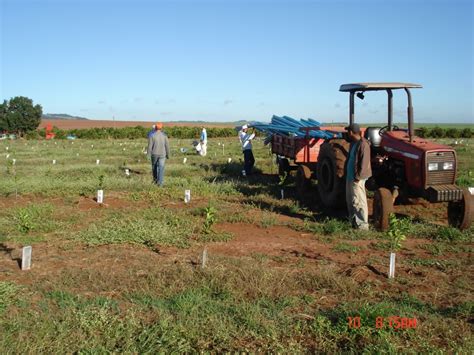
x,y
358,171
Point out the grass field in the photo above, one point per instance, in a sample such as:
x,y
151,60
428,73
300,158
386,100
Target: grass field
x,y
281,275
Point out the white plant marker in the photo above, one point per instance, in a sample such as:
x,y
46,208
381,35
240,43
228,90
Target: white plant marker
x,y
204,258
187,196
229,160
97,162
282,194
14,161
223,152
8,155
92,145
54,161
127,172
185,160
100,196
7,148
26,258
391,272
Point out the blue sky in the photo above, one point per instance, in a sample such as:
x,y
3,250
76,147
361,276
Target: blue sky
x,y
232,60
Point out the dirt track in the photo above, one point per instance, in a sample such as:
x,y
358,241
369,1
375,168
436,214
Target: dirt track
x,y
77,124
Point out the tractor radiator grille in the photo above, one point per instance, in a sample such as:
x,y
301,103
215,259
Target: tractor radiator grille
x,y
440,176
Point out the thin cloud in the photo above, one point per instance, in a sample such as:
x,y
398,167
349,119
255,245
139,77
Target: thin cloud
x,y
228,102
101,102
337,105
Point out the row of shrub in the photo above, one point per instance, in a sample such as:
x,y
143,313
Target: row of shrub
x,y
135,132
181,132
438,132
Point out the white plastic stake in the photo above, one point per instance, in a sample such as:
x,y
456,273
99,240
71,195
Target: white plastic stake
x,y
127,172
391,272
229,160
54,161
100,196
185,160
7,148
26,258
187,196
223,153
14,161
8,155
204,258
282,194
97,162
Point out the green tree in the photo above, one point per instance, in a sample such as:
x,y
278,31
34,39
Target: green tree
x,y
22,116
466,133
452,133
3,116
437,132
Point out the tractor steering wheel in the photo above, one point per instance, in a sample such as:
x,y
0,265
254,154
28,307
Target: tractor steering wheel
x,y
384,129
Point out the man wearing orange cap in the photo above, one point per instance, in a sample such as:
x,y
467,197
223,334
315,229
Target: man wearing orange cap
x,y
158,151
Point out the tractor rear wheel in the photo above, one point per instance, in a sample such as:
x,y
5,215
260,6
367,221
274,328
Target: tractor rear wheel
x,y
303,181
461,213
283,166
331,172
382,207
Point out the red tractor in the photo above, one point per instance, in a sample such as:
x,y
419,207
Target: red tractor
x,y
406,166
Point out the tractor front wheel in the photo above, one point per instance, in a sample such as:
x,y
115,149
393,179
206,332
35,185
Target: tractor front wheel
x,y
461,213
303,181
382,207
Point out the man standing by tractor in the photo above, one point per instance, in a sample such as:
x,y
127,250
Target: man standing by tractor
x,y
246,142
358,171
158,150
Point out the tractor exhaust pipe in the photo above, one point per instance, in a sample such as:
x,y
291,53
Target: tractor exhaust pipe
x,y
411,129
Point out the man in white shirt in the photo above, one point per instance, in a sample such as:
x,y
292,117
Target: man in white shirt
x,y
203,141
246,142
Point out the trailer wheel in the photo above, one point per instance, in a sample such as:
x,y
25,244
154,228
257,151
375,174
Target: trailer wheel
x,y
382,207
331,171
283,166
303,181
461,213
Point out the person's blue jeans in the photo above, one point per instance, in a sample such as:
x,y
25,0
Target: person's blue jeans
x,y
158,169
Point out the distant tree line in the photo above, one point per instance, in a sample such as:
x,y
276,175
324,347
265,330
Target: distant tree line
x,y
184,132
438,132
19,115
137,132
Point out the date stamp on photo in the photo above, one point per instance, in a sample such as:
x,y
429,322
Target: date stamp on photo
x,y
391,322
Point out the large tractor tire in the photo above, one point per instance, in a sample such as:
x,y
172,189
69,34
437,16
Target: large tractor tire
x,y
303,181
283,166
461,213
382,207
331,172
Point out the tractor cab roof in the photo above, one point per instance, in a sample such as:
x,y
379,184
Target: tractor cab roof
x,y
376,86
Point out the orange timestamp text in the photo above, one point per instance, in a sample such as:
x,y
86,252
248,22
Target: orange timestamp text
x,y
392,322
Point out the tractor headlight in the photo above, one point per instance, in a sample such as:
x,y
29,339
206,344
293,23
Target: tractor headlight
x,y
448,166
432,166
